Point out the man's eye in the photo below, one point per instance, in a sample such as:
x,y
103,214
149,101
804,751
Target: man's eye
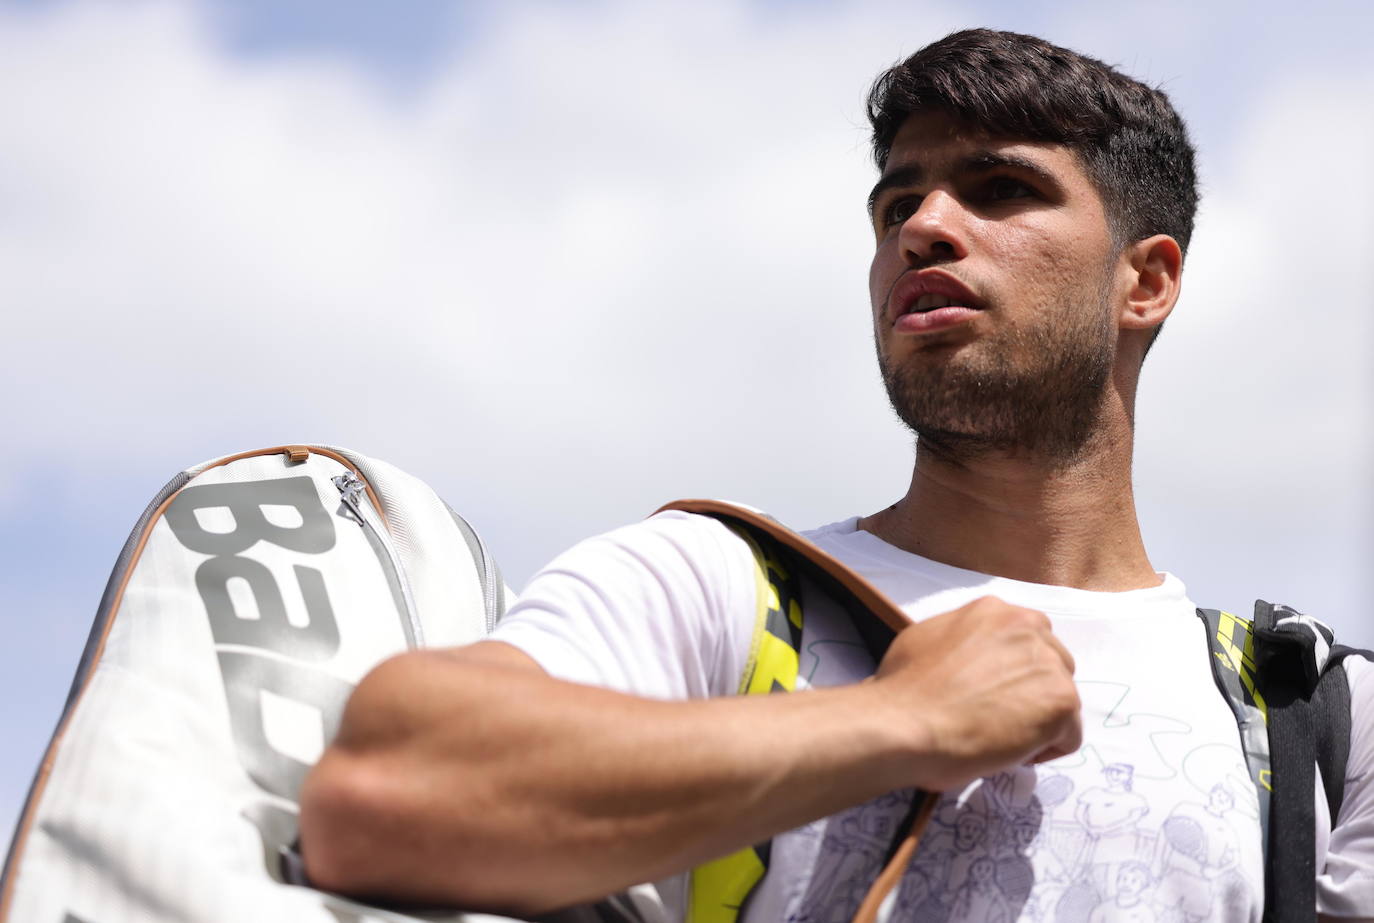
x,y
1004,187
900,210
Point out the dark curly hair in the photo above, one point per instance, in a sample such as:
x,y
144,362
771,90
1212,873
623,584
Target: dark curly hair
x,y
1132,143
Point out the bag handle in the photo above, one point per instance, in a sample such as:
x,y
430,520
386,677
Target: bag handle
x,y
877,620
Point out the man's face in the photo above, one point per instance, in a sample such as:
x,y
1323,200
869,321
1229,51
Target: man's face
x,y
968,831
992,289
1220,800
1132,879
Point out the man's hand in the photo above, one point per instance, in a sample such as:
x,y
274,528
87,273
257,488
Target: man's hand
x,y
983,688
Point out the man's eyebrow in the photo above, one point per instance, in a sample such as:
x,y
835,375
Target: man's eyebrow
x,y
984,161
902,176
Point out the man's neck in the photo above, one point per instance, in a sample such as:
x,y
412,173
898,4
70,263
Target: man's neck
x,y
1067,524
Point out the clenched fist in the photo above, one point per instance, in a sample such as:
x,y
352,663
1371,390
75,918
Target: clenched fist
x,y
983,688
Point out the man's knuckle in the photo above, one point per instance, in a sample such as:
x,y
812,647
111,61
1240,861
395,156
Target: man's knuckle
x,y
1061,696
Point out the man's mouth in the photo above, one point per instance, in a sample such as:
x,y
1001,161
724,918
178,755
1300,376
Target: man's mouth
x,y
928,300
931,302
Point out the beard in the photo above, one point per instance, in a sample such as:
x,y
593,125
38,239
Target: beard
x,y
1029,393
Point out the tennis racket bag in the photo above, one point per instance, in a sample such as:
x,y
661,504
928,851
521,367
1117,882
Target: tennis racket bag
x,y
254,593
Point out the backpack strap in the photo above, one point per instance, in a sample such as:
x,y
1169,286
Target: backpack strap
x,y
719,888
1283,675
1289,656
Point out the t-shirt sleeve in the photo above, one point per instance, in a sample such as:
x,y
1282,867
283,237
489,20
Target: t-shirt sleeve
x,y
1345,887
662,608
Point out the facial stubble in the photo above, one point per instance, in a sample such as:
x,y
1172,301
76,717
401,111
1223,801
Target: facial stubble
x,y
1034,392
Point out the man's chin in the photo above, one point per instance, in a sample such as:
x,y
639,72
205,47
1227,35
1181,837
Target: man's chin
x,y
913,354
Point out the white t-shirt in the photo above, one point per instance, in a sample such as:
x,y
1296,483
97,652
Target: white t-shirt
x,y
1154,818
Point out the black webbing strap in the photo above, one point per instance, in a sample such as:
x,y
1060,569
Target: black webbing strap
x,y
1290,875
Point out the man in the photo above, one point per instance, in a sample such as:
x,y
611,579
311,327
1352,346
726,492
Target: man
x,y
1030,222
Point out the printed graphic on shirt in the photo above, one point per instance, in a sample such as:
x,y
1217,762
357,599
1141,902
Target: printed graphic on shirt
x,y
1148,821
848,654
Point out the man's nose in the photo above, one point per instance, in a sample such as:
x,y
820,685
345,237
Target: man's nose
x,y
936,232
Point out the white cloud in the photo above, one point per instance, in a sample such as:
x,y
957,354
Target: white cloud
x,y
588,221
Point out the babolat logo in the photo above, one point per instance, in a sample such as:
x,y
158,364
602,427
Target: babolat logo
x,y
262,653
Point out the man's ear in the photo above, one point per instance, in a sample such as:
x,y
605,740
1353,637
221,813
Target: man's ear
x,y
1156,277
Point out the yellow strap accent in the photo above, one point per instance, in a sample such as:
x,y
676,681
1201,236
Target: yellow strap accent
x,y
1238,643
777,665
763,588
720,887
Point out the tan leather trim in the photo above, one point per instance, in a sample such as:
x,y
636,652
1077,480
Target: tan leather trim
x,y
287,450
886,610
891,875
45,767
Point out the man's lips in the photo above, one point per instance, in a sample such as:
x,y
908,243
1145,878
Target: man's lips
x,y
937,319
927,300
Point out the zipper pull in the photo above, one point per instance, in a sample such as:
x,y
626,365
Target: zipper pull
x,y
351,488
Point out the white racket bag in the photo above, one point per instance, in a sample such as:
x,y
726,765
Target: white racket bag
x,y
253,594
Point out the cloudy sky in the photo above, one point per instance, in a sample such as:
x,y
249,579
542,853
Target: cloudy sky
x,y
567,261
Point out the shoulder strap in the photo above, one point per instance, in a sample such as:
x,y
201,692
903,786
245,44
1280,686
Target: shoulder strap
x,y
1283,676
719,888
875,616
1287,655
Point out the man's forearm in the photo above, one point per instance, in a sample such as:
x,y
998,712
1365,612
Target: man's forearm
x,y
470,777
